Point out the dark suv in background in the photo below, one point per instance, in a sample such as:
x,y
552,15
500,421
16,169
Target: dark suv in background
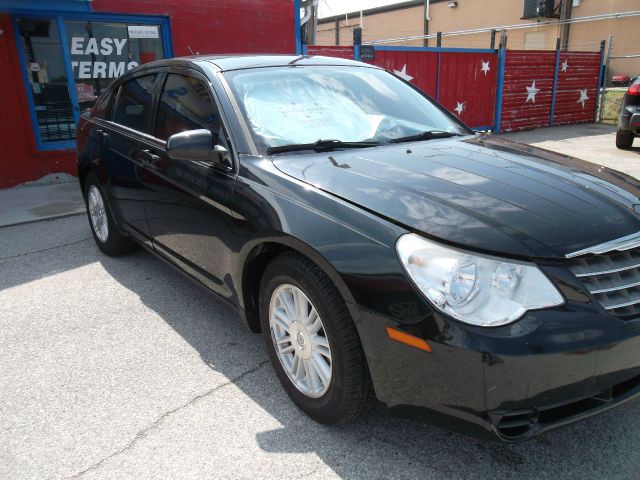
x,y
629,119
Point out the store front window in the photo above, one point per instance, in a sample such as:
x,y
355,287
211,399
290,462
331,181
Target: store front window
x,y
47,79
102,51
68,62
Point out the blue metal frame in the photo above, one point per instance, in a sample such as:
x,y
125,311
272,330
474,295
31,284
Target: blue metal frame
x,y
59,17
356,53
296,22
502,54
596,113
554,91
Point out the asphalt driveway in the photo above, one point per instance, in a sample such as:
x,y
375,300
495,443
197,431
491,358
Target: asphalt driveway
x,y
121,368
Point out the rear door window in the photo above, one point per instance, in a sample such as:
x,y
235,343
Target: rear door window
x,y
133,107
185,104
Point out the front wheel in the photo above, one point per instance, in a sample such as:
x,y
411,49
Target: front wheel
x,y
624,140
103,227
312,342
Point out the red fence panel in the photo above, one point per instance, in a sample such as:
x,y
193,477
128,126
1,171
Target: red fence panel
x,y
330,51
577,89
528,89
468,86
417,67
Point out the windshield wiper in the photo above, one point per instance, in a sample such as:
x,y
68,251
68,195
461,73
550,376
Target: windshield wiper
x,y
320,146
427,135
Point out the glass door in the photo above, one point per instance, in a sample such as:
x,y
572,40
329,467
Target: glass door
x,y
48,84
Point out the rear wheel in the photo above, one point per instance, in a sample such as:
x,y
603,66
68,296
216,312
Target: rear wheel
x,y
624,140
312,342
103,227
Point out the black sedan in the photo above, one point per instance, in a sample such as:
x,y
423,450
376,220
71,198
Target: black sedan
x,y
629,118
382,248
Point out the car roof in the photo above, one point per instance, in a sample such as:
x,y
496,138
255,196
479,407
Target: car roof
x,y
237,62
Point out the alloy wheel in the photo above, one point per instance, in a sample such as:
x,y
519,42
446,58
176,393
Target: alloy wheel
x,y
98,214
300,340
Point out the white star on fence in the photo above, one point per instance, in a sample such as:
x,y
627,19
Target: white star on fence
x,y
583,97
459,108
565,65
403,73
531,92
485,67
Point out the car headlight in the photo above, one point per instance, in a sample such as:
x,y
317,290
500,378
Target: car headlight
x,y
476,289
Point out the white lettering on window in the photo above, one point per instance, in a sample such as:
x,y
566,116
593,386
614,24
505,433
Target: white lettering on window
x,y
115,69
105,46
84,71
119,43
76,45
100,70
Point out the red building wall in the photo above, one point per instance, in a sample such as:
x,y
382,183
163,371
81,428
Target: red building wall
x,y
218,26
20,161
207,26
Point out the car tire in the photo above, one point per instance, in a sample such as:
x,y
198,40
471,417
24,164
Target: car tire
x,y
624,140
103,227
348,391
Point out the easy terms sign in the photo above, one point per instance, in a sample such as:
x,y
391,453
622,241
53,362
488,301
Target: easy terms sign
x,y
106,47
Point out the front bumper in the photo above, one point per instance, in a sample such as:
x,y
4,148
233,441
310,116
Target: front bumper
x,y
549,369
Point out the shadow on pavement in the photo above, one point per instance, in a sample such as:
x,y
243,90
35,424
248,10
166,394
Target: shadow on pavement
x,y
376,445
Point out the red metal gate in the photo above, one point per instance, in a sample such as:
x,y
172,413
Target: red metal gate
x,y
467,86
528,89
418,66
345,52
577,87
523,88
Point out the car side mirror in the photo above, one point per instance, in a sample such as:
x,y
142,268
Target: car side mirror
x,y
197,145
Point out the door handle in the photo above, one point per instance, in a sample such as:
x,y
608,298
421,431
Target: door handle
x,y
149,158
102,136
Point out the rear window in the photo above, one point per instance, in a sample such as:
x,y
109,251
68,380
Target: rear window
x,y
133,107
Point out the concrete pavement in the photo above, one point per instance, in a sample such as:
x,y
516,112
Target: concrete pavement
x,y
592,142
53,196
120,368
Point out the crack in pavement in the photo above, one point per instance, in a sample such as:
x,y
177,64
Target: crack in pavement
x,y
45,249
157,422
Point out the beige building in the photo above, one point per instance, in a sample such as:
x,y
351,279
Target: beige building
x,y
408,19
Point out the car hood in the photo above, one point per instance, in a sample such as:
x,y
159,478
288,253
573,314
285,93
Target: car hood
x,y
481,192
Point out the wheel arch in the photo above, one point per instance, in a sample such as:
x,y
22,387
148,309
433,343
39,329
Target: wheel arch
x,y
254,262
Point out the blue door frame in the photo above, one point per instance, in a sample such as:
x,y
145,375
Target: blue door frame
x,y
59,17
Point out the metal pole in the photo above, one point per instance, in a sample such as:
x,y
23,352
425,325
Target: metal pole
x,y
493,39
502,53
604,81
555,83
600,70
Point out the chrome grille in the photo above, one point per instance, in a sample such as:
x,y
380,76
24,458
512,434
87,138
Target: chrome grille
x,y
613,279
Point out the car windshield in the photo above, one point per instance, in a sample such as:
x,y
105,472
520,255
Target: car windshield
x,y
303,104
